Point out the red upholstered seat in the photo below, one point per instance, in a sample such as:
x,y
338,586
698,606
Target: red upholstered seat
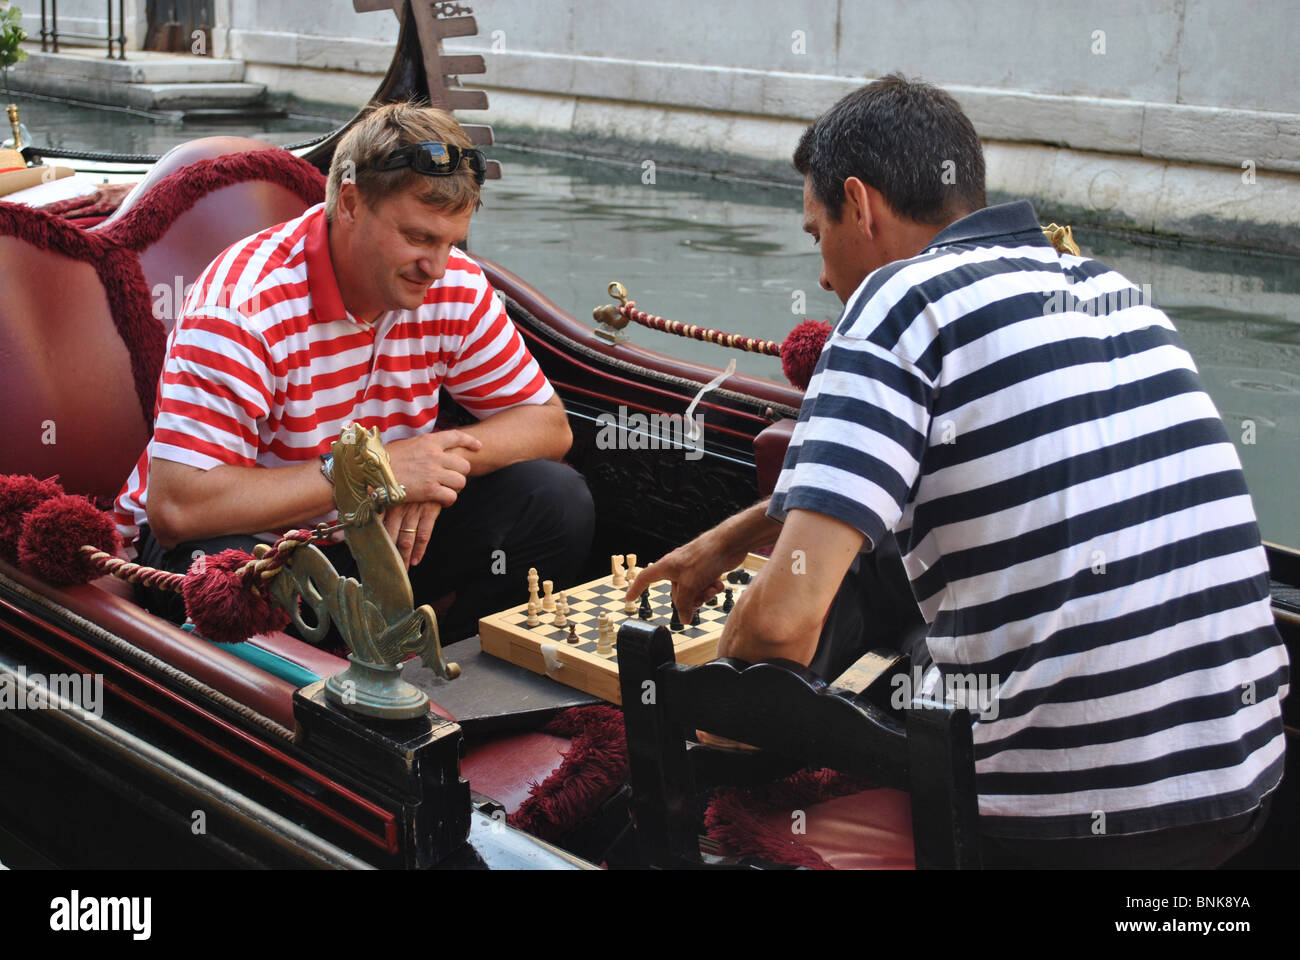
x,y
871,830
506,767
769,454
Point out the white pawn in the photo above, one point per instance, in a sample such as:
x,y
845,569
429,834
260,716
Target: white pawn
x,y
562,611
548,601
533,620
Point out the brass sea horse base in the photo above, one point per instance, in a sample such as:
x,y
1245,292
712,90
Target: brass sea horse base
x,y
375,615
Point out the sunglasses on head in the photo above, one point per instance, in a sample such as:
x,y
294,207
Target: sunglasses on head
x,y
435,159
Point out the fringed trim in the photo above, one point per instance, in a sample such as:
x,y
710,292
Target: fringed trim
x,y
592,769
732,817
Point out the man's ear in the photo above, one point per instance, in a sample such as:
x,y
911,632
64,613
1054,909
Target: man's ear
x,y
857,206
346,206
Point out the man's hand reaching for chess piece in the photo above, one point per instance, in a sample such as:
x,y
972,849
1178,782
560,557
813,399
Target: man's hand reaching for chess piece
x,y
696,568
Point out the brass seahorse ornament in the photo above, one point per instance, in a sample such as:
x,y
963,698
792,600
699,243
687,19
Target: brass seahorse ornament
x,y
375,614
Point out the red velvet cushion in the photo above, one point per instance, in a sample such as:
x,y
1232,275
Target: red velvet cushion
x,y
505,767
862,831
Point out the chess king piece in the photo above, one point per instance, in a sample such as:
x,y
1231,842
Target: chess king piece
x,y
533,595
605,640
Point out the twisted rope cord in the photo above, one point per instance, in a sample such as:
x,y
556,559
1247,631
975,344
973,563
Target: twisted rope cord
x,y
749,344
263,568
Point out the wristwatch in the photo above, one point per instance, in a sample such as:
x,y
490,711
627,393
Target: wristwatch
x,y
327,467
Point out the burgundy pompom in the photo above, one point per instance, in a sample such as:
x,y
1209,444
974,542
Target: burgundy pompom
x,y
221,602
52,535
18,496
801,349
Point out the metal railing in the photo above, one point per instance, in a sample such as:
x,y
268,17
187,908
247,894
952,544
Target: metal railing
x,y
50,33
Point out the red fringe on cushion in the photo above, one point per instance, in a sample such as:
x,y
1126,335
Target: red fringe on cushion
x,y
593,768
731,817
119,272
113,251
149,217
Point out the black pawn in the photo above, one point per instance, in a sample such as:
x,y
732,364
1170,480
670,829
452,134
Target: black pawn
x,y
645,613
728,602
573,633
675,623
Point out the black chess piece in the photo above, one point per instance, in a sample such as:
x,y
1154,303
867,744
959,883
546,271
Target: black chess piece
x,y
645,613
675,623
712,601
573,633
742,576
728,602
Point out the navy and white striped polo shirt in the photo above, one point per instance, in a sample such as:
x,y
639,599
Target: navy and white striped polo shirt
x,y
1074,522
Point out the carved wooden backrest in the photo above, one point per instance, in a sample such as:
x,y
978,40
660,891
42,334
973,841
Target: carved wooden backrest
x,y
783,708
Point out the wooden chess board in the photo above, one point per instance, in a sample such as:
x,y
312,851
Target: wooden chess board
x,y
508,636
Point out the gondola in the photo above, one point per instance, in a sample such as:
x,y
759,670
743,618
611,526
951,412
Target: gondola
x,y
209,755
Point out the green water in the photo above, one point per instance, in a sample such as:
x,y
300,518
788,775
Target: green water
x,y
732,256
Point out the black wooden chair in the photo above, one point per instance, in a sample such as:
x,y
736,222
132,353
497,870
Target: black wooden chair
x,y
796,720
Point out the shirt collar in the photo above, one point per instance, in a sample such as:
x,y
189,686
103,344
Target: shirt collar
x,y
1004,221
322,284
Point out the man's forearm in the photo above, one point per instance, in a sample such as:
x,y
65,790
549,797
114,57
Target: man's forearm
x,y
186,503
751,529
533,432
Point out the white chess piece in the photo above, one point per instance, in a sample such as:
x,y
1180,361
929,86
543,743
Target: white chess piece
x,y
605,640
562,611
632,569
532,586
548,601
616,566
533,619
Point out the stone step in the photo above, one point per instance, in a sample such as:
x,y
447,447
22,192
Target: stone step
x,y
143,96
142,67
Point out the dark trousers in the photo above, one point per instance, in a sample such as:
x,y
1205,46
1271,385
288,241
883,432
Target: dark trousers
x,y
1200,845
874,608
533,514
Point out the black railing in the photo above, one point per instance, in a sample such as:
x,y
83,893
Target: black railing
x,y
50,32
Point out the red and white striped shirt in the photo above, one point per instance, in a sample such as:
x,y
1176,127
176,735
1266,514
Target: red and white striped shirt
x,y
265,366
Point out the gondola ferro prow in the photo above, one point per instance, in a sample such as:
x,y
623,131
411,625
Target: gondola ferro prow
x,y
375,615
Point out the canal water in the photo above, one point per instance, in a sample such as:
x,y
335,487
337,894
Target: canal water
x,y
732,256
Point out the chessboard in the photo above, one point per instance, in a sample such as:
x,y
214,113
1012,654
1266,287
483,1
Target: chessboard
x,y
546,649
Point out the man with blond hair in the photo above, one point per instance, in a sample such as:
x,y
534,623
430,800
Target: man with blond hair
x,y
363,310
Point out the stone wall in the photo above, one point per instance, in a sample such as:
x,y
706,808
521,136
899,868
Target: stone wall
x,y
1173,116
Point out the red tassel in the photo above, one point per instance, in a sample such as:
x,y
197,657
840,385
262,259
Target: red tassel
x,y
221,602
49,546
801,350
18,495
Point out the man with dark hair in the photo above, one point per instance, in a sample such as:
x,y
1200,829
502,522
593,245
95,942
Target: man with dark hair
x,y
363,310
1073,518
